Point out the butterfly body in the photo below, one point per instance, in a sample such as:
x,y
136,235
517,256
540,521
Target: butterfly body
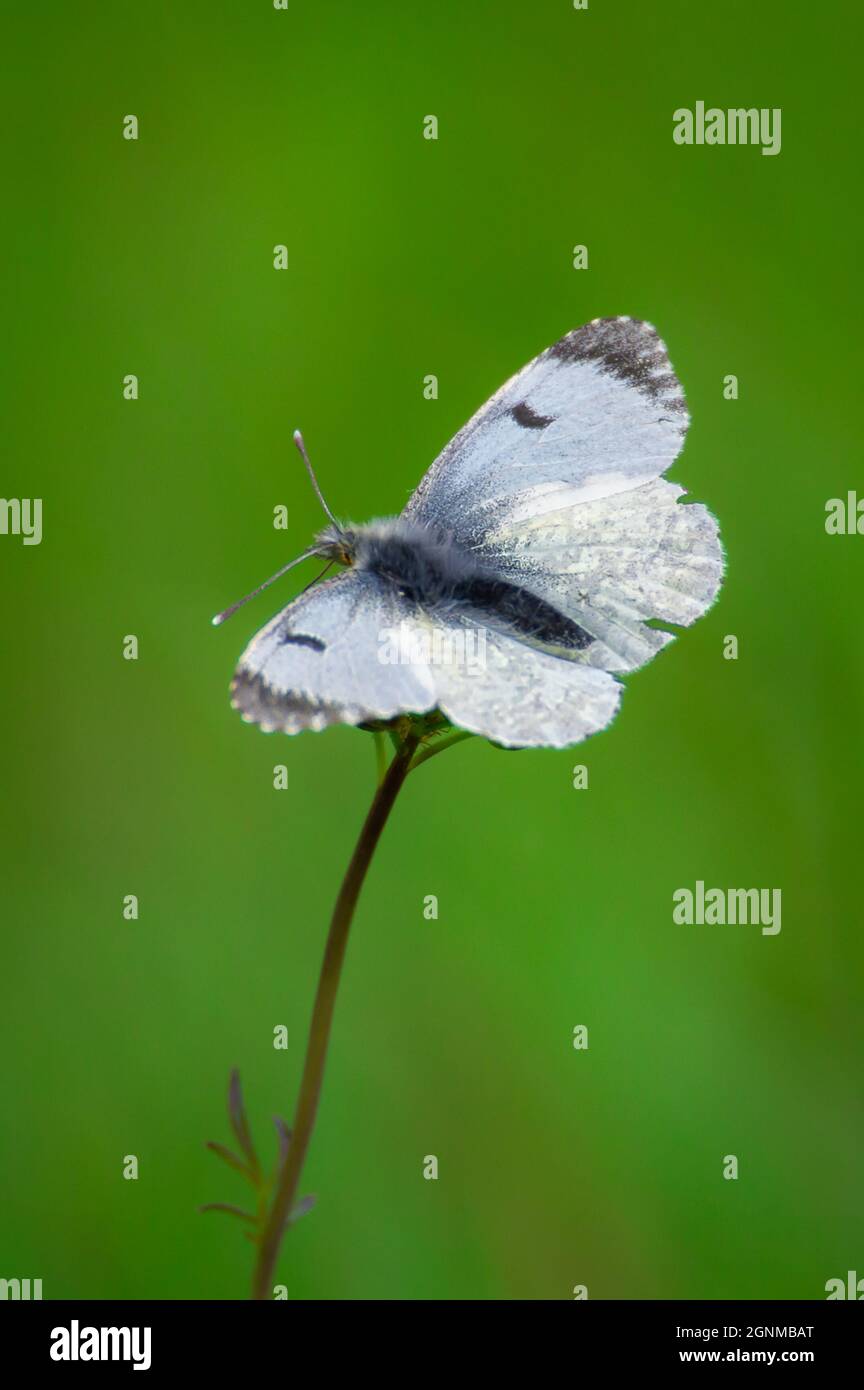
x,y
431,569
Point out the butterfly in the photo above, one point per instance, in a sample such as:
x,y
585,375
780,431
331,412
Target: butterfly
x,y
545,527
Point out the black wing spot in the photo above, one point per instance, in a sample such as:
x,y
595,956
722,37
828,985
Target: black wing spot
x,y
528,418
300,639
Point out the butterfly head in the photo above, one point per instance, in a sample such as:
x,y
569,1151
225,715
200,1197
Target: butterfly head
x,y
337,543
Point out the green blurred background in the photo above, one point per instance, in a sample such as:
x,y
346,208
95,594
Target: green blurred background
x,y
409,257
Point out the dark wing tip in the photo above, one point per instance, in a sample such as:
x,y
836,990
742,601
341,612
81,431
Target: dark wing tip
x,y
629,349
283,711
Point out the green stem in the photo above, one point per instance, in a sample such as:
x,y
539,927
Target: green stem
x,y
322,1018
440,747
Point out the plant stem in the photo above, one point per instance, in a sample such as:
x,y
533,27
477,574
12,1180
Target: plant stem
x,y
322,1018
435,748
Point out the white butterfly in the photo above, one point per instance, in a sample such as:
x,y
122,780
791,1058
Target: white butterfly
x,y
545,526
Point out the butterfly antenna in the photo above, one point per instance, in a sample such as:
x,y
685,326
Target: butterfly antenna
x,y
298,440
220,617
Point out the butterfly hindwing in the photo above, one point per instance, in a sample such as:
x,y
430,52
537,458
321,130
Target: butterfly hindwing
x,y
522,697
612,564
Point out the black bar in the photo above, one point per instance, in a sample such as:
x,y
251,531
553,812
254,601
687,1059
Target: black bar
x,y
228,1338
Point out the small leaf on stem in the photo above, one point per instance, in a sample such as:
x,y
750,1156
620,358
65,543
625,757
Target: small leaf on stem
x,y
231,1159
239,1123
284,1138
230,1211
305,1204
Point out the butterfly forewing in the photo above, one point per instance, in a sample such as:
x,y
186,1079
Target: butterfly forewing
x,y
321,661
599,412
